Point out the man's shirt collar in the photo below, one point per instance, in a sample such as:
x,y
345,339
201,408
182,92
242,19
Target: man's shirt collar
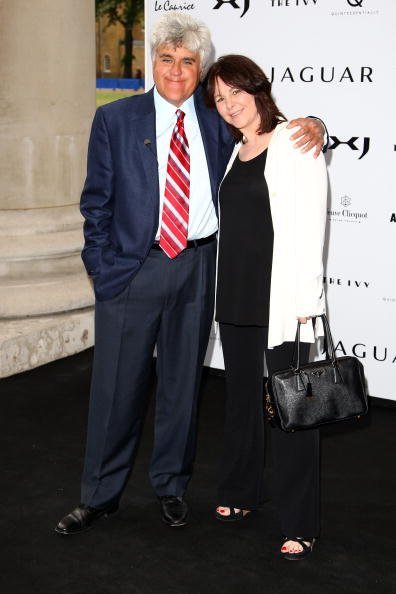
x,y
165,111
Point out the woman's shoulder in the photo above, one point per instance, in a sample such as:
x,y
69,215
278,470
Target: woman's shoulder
x,y
286,146
281,134
280,143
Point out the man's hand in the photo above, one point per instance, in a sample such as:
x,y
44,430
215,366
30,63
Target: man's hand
x,y
310,134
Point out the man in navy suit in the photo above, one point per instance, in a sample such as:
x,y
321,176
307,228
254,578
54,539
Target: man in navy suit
x,y
144,297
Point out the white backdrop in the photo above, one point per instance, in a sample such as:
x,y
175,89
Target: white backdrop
x,y
334,59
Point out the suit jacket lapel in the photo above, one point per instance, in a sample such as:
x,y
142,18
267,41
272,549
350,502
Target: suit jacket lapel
x,y
143,122
209,125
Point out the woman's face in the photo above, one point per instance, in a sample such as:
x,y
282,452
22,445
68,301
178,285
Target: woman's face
x,y
236,107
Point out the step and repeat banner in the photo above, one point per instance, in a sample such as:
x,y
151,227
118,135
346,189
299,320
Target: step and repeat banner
x,y
333,59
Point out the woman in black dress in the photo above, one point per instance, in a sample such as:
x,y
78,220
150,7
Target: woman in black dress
x,y
272,221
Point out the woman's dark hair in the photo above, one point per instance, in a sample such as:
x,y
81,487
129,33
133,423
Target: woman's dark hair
x,y
242,73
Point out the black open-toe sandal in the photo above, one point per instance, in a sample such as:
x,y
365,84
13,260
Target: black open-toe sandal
x,y
302,540
233,515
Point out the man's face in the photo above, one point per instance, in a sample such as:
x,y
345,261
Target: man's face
x,y
176,72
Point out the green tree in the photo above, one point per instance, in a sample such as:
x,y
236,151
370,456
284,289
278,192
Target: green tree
x,y
126,12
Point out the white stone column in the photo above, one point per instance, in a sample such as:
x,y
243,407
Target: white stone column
x,y
47,100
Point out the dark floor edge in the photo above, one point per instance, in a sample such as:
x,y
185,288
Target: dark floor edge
x,y
213,371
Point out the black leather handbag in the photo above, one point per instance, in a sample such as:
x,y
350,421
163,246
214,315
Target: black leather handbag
x,y
326,391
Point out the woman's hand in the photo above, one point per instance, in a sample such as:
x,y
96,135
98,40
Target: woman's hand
x,y
304,320
309,134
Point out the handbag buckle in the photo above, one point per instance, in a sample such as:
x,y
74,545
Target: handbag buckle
x,y
269,407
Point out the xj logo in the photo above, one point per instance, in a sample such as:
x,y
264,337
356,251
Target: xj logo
x,y
356,3
234,4
351,143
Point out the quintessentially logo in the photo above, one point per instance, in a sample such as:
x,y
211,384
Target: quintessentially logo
x,y
345,214
324,74
238,5
351,143
357,9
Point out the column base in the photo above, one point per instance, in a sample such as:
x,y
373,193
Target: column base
x,y
30,342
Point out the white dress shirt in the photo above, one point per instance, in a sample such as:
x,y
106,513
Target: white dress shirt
x,y
202,220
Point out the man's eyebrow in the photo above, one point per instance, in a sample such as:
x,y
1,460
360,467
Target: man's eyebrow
x,y
165,55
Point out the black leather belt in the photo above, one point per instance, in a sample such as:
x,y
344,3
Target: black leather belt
x,y
192,243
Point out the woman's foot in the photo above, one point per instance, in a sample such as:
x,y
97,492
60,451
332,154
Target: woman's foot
x,y
296,548
231,514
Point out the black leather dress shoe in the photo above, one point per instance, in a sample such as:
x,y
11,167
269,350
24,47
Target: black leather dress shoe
x,y
82,518
174,510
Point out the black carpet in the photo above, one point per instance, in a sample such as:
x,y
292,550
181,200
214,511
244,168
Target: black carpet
x,y
43,422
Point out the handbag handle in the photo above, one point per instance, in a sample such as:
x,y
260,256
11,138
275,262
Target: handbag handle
x,y
329,344
305,383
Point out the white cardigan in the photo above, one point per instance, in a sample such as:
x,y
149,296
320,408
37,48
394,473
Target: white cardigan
x,y
297,185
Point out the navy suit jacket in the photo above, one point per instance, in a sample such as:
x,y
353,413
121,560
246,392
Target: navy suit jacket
x,y
120,199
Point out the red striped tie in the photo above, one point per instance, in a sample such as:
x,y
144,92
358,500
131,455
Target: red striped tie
x,y
174,223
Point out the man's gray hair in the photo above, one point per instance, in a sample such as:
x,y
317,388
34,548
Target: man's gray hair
x,y
179,29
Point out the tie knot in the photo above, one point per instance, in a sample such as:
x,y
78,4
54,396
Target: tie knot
x,y
180,116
